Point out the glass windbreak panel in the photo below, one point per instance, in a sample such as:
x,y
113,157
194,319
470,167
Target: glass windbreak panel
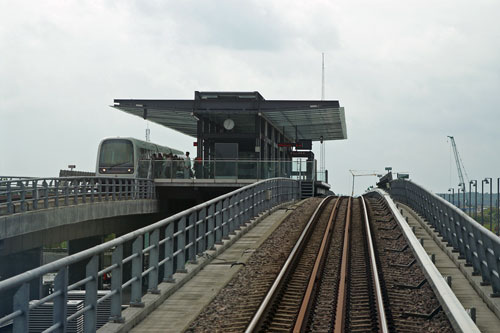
x,y
116,153
299,168
321,176
145,169
285,169
226,169
248,170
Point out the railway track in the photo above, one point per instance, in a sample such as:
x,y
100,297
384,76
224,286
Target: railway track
x,y
349,271
325,289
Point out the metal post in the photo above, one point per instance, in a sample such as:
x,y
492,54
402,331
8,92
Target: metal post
x,y
75,192
10,206
90,317
491,203
498,206
21,303
211,227
116,285
136,293
120,189
59,312
463,198
225,219
192,238
56,190
92,189
23,196
475,204
458,195
154,254
113,189
232,215
45,194
218,222
181,245
482,201
470,194
34,194
83,186
169,251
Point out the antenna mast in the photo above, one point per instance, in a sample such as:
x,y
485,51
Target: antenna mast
x,y
322,150
322,76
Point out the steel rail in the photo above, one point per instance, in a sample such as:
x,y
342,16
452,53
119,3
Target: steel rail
x,y
305,307
382,319
342,293
271,294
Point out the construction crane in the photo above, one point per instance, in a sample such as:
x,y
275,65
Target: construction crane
x,y
460,164
355,173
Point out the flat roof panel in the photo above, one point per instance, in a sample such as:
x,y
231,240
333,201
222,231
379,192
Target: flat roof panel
x,y
306,119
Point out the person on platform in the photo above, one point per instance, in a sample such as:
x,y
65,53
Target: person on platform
x,y
187,166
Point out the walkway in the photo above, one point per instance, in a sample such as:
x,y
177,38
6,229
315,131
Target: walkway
x,y
486,319
185,303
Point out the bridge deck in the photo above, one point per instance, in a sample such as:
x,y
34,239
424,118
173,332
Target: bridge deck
x,y
486,319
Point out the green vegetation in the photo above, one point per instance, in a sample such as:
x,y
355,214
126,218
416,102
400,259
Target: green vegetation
x,y
486,219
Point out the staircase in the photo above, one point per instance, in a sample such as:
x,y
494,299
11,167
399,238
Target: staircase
x,y
306,189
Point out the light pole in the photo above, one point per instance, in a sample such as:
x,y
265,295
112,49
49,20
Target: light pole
x,y
463,199
470,190
498,207
461,186
475,195
453,195
485,180
491,202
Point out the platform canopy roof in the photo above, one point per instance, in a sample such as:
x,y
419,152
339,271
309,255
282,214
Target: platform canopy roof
x,y
300,119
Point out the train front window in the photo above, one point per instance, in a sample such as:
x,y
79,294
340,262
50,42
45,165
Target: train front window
x,y
116,153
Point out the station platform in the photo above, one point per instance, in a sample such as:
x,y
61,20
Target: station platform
x,y
181,302
466,287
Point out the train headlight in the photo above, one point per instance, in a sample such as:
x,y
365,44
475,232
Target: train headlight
x,y
129,170
103,169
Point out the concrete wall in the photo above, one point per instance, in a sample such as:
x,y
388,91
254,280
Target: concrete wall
x,y
19,232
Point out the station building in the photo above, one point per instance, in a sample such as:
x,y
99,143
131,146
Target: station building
x,y
241,137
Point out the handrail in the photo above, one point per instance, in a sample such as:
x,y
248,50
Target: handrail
x,y
235,168
198,228
30,194
476,244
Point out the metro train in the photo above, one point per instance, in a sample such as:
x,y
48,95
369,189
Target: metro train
x,y
128,157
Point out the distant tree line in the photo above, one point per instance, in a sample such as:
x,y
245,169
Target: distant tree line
x,y
486,197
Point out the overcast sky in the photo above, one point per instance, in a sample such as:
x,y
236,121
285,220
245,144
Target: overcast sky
x,y
408,73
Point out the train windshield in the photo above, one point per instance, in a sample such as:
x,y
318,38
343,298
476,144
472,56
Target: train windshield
x,y
116,153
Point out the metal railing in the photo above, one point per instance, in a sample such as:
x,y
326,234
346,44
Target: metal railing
x,y
4,178
477,245
234,169
172,243
21,195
